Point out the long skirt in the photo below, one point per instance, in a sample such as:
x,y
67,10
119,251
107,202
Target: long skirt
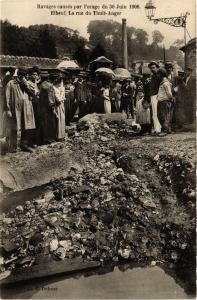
x,y
117,105
107,107
60,121
156,124
68,112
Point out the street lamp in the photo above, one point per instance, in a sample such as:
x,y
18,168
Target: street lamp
x,y
172,21
150,10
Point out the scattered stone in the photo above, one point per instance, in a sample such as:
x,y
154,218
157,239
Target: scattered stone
x,y
61,253
7,220
53,245
104,139
66,244
9,246
5,274
20,208
39,201
153,263
1,260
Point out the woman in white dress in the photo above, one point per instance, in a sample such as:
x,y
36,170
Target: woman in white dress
x,y
56,100
106,98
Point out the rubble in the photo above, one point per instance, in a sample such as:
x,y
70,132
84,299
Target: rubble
x,y
117,206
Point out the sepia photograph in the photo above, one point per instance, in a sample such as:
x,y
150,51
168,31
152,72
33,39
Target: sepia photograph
x,y
97,149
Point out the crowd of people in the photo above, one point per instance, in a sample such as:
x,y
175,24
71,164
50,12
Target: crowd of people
x,y
37,105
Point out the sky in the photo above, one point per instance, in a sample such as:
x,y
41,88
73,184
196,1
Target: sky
x,y
26,12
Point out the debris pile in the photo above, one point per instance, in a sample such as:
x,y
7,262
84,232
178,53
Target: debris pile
x,y
179,173
102,211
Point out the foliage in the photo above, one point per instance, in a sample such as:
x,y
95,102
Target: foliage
x,y
39,40
157,37
105,37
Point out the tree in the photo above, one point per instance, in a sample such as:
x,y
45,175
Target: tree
x,y
174,54
157,37
47,46
97,51
39,40
178,43
81,56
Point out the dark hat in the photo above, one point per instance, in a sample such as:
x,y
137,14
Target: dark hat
x,y
153,63
34,69
168,64
44,74
82,74
22,72
56,74
181,73
60,70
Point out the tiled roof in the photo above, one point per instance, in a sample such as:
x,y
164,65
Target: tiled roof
x,y
27,62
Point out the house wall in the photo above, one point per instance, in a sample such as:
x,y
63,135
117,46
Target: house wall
x,y
190,56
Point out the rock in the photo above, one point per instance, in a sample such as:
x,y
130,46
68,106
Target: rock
x,y
53,245
9,246
11,260
48,196
174,256
80,189
156,158
105,126
39,201
183,246
36,239
61,253
147,202
53,219
153,263
7,220
66,244
50,221
1,260
104,139
20,208
88,121
76,237
191,194
26,260
5,274
103,181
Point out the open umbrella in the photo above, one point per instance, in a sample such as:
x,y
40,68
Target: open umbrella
x,y
68,65
105,71
121,73
101,59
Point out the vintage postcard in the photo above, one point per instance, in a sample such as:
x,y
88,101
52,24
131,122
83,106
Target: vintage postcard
x,y
97,149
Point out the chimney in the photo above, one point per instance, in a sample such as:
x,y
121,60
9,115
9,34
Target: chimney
x,y
124,44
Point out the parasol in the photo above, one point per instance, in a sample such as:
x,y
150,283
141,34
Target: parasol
x,y
121,73
105,71
101,59
68,65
